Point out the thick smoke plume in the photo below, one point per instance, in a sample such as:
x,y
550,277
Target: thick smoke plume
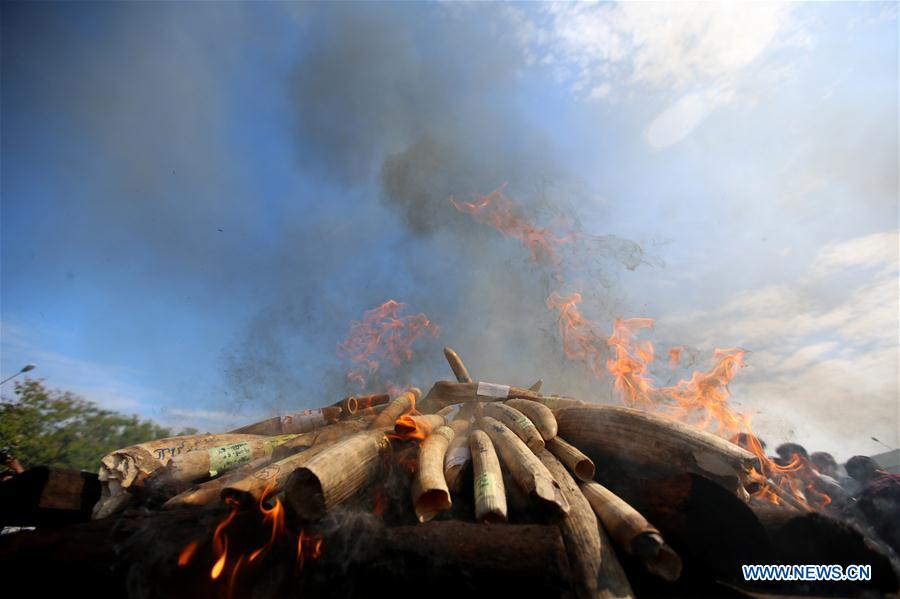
x,y
427,119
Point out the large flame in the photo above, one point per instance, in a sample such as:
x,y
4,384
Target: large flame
x,y
700,400
309,545
383,336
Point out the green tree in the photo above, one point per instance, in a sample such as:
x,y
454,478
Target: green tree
x,y
58,428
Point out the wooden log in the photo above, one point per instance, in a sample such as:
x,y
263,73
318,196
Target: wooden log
x,y
527,470
517,422
139,550
490,494
456,458
505,553
430,493
337,473
655,441
539,414
579,464
449,392
295,422
456,365
400,405
129,467
48,496
582,537
632,532
194,465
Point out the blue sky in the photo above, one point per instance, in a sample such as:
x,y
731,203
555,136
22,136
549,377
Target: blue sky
x,y
198,198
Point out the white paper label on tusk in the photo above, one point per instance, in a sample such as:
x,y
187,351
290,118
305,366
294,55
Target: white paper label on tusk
x,y
492,390
302,422
224,457
459,456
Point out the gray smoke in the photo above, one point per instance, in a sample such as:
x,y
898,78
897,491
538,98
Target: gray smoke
x,y
418,102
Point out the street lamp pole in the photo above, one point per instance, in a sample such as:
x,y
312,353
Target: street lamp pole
x,y
25,368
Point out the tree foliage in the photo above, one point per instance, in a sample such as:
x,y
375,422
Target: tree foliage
x,y
58,428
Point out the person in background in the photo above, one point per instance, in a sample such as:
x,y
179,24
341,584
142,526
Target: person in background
x,y
821,485
825,463
879,499
787,452
12,464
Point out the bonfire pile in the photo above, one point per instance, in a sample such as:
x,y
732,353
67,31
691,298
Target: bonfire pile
x,y
523,450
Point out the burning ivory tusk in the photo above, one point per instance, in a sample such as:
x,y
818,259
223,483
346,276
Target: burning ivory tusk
x,y
272,476
539,414
449,392
517,423
129,467
456,458
490,494
632,533
400,405
337,473
654,441
211,490
584,541
193,465
527,470
296,422
429,487
456,365
579,464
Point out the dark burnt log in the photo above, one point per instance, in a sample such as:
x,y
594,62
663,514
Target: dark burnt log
x,y
137,554
48,496
815,538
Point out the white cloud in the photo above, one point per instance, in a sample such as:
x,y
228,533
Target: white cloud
x,y
825,359
694,55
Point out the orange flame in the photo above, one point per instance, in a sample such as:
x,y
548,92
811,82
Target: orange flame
x,y
675,355
408,427
220,544
275,515
383,336
580,339
629,365
499,211
187,553
233,577
308,547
